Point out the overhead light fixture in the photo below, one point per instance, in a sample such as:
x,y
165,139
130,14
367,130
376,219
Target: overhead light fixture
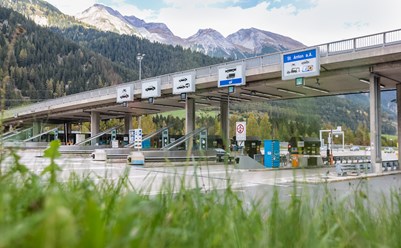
x,y
254,96
211,99
167,105
241,99
254,92
203,104
363,80
315,89
235,99
291,92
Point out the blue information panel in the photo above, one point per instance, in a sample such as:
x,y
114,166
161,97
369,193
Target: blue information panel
x,y
272,153
231,76
305,63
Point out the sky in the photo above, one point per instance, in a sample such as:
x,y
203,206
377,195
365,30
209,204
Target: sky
x,y
312,22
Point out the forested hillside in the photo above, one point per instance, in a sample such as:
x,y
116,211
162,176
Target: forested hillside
x,y
41,12
38,64
305,117
159,59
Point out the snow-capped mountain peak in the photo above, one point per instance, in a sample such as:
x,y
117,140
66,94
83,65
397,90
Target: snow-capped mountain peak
x,y
241,44
258,41
107,19
211,42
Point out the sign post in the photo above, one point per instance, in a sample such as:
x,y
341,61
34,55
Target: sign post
x,y
240,134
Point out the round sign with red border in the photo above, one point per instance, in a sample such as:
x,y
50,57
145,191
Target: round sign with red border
x,y
240,128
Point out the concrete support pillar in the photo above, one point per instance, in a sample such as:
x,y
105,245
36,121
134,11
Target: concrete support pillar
x,y
190,120
225,124
375,123
399,120
67,132
127,123
95,126
139,121
36,129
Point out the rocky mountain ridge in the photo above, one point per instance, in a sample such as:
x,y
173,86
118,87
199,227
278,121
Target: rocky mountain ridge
x,y
242,44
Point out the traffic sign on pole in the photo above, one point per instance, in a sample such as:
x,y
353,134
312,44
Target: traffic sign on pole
x,y
240,131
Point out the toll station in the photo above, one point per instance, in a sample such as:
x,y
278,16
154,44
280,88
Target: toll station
x,y
367,64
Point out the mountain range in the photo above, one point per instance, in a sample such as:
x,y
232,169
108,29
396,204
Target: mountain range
x,y
241,44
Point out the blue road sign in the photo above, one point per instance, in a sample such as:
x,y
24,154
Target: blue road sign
x,y
305,63
230,82
231,76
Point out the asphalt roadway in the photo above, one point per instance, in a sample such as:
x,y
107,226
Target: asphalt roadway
x,y
252,185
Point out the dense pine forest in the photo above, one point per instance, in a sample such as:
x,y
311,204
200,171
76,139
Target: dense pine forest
x,y
159,58
39,64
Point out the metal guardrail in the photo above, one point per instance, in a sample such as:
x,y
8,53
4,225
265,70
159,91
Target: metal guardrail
x,y
332,48
16,133
98,135
40,135
8,134
183,138
149,135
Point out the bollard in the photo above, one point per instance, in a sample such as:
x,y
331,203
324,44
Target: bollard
x,y
136,158
99,155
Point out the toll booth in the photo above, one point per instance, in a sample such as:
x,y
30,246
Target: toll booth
x,y
305,151
252,146
271,157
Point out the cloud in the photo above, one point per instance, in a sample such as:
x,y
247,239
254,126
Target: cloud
x,y
323,21
72,7
197,3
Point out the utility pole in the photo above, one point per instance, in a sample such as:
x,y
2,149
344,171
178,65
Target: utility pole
x,y
139,57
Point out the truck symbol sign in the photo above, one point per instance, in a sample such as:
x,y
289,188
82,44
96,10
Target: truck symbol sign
x,y
231,70
183,86
124,94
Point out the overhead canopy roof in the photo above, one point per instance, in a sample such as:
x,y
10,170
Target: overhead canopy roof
x,y
346,67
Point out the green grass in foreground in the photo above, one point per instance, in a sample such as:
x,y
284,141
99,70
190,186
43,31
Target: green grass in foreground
x,y
42,211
